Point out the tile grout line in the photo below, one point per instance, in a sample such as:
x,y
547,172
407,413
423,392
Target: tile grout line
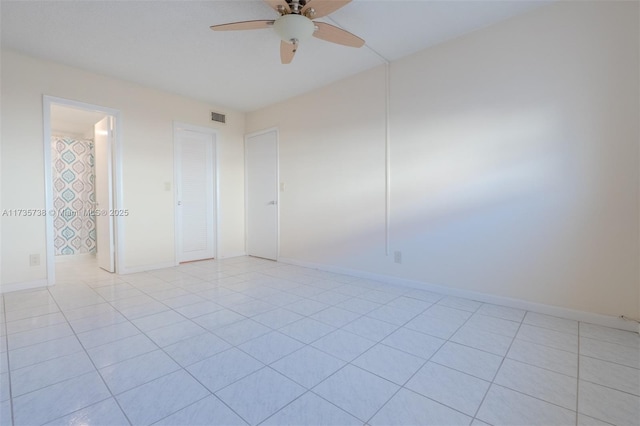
x,y
491,383
238,292
307,390
172,309
610,388
189,405
531,396
608,342
142,384
6,341
361,315
175,284
545,345
211,393
403,386
356,319
535,397
347,363
181,368
95,369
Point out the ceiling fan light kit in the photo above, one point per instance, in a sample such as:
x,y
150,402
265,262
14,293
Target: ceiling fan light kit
x,y
295,25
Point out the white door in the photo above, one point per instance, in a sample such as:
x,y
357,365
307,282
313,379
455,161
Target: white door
x,y
261,152
104,194
195,191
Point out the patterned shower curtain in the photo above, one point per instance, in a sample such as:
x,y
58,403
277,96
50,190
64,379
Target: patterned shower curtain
x,y
74,195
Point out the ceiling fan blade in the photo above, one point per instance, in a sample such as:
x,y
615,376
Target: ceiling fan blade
x,y
337,35
244,25
276,3
287,51
323,7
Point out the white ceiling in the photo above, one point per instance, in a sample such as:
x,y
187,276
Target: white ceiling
x,y
168,44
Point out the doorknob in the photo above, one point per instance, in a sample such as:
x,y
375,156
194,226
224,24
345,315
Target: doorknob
x,y
273,203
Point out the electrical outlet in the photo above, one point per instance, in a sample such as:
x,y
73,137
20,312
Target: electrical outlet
x,y
282,186
34,260
397,256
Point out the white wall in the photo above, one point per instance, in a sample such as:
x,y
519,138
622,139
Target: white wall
x,y
147,120
514,163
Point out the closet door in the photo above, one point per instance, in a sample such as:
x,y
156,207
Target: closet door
x,y
195,190
261,153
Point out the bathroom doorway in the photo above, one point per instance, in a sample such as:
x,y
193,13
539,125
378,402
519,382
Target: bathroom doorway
x,y
81,173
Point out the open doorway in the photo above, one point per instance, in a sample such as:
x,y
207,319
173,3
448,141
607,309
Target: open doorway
x,y
81,171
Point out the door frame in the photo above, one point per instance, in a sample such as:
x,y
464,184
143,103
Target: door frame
x,y
246,189
116,170
98,161
177,126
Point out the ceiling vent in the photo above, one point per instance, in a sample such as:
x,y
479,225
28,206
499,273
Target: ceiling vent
x,y
220,118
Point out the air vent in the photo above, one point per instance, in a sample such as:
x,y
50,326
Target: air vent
x,y
220,118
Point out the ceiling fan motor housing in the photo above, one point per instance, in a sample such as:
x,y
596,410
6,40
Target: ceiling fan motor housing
x,y
294,27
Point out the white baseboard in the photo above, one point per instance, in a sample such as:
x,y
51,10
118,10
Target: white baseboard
x,y
557,311
231,255
164,265
26,285
145,268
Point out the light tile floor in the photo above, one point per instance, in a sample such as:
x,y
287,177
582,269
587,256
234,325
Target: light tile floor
x,y
248,341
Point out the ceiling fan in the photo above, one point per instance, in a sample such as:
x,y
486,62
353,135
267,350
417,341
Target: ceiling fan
x,y
295,24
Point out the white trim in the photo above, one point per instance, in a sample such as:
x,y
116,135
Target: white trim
x,y
277,194
176,184
118,190
231,255
216,196
25,285
246,197
118,202
48,191
387,159
558,311
246,192
145,268
179,125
